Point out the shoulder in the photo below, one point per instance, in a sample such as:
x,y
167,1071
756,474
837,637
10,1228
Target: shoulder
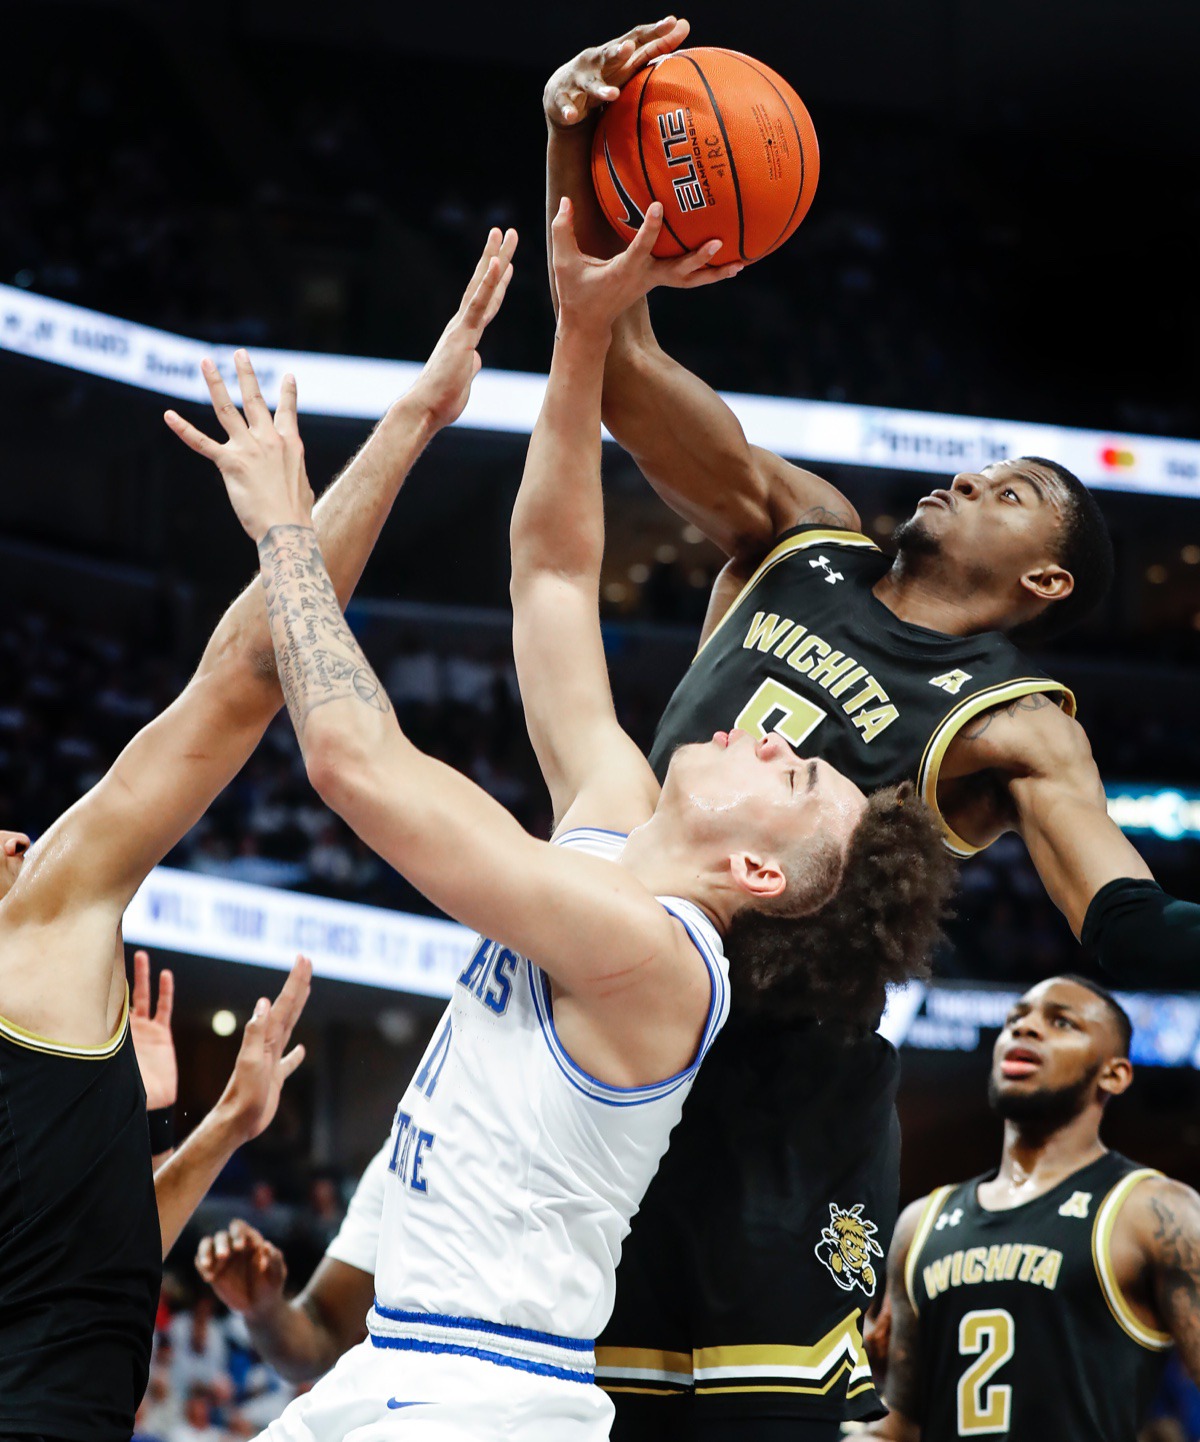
x,y
1162,1216
1032,732
798,497
907,1224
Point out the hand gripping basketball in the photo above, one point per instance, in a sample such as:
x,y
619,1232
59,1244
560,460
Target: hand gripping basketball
x,y
594,292
595,76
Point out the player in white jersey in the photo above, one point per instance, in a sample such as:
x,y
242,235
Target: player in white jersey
x,y
545,1100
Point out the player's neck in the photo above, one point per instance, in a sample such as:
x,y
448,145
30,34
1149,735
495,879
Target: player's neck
x,y
923,596
1035,1159
666,864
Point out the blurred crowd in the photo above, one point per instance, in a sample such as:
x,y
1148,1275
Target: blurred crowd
x,y
71,696
909,284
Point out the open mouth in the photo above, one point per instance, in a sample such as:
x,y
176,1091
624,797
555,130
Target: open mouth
x,y
1020,1062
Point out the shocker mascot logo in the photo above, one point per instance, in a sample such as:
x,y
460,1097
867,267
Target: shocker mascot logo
x,y
846,1247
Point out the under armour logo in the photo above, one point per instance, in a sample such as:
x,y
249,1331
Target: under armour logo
x,y
950,1219
1076,1205
822,563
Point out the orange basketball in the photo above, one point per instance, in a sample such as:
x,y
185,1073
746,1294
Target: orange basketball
x,y
722,141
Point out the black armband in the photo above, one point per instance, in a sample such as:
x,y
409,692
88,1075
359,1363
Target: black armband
x,y
162,1130
1143,937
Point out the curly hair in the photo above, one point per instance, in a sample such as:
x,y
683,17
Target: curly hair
x,y
880,925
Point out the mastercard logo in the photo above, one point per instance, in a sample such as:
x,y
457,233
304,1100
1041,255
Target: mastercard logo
x,y
1117,460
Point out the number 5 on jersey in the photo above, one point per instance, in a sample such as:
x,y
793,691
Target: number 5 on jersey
x,y
798,717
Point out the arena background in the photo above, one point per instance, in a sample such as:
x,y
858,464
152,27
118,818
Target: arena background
x,y
1005,228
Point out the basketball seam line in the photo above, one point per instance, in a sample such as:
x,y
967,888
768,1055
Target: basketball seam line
x,y
642,157
746,60
733,175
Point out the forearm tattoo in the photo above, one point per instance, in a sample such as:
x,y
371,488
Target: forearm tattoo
x,y
318,658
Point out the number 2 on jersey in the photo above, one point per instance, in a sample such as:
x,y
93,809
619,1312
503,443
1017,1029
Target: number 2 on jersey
x,y
799,720
983,1409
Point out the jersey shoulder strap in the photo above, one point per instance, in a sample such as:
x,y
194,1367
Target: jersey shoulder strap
x,y
1102,1234
791,543
1019,683
934,1205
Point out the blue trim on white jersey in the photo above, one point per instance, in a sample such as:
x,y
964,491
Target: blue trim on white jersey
x,y
591,833
499,1359
605,1092
476,1324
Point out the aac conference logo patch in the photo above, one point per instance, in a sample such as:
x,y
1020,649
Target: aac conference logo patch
x,y
846,1247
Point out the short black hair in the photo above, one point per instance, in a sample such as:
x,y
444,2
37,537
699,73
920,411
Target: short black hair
x,y
1121,1018
1084,548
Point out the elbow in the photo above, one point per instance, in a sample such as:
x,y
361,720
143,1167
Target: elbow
x,y
337,765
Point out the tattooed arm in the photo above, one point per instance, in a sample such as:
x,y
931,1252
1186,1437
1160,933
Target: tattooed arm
x,y
1034,766
1156,1256
902,1390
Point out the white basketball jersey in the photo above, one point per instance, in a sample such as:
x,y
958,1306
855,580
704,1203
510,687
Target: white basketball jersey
x,y
512,1174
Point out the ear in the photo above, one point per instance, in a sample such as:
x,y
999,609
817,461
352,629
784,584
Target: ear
x,y
761,878
1115,1077
1049,582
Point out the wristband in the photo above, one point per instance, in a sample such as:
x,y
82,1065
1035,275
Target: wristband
x,y
162,1129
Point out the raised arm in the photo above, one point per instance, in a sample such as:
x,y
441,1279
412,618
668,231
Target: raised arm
x,y
245,1109
592,768
83,871
687,441
592,925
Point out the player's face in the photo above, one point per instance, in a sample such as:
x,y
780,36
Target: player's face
x,y
746,792
13,846
1055,1041
1002,521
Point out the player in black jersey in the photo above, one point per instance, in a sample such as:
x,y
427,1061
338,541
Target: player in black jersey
x,y
83,1221
889,668
1037,1302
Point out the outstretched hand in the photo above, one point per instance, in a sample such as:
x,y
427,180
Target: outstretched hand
x,y
595,292
595,76
246,1271
444,385
262,462
251,1096
153,1044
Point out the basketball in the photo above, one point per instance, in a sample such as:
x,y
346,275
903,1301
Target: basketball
x,y
723,142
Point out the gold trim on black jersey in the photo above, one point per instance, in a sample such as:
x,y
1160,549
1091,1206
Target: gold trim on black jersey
x,y
643,1369
31,1040
929,1215
966,710
813,1371
853,540
1102,1230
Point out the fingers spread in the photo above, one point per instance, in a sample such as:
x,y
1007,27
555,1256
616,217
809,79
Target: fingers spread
x,y
252,400
141,983
166,996
671,34
285,412
643,242
191,437
204,1258
711,274
290,1062
227,413
290,1001
491,248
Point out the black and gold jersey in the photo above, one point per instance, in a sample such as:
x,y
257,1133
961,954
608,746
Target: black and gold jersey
x,y
1023,1329
808,650
80,1248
